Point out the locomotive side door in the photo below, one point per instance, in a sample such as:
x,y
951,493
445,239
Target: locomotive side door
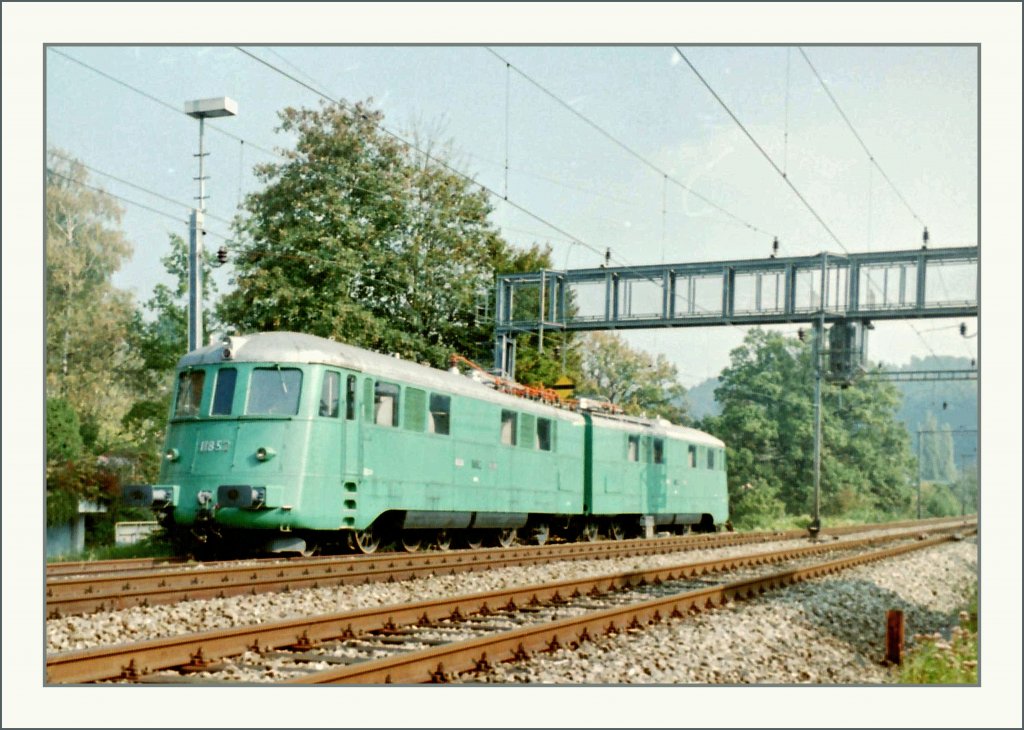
x,y
328,455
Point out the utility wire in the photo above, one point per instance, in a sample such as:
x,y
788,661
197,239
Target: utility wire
x,y
151,209
859,139
161,102
134,185
622,145
136,203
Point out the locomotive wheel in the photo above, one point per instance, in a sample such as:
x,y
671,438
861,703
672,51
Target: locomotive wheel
x,y
473,540
589,532
506,538
411,541
541,533
616,531
443,540
365,541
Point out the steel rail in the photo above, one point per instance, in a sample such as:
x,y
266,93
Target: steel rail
x,y
128,565
73,596
438,664
131,660
82,567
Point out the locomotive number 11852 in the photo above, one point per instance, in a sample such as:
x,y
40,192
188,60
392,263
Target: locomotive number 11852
x,y
214,446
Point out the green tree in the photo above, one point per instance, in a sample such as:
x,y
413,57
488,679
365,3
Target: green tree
x,y
63,439
356,237
767,422
631,378
159,340
87,318
936,448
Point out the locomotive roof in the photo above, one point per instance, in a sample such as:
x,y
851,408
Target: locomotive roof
x,y
296,347
659,427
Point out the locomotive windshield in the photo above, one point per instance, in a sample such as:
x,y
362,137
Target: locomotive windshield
x,y
274,392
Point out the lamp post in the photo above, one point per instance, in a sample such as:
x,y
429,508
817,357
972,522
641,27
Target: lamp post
x,y
200,109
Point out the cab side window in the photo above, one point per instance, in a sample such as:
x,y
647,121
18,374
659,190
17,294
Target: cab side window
x,y
633,448
190,392
350,398
692,456
330,395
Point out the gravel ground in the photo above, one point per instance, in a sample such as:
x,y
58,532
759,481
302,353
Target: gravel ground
x,y
826,631
829,631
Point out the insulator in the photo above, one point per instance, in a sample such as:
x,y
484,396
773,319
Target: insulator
x,y
222,255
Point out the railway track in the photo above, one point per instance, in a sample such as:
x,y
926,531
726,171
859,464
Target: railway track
x,y
68,595
72,569
391,625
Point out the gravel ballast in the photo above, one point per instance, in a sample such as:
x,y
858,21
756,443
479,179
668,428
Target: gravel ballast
x,y
829,630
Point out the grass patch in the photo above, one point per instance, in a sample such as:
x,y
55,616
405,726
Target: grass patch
x,y
155,546
934,660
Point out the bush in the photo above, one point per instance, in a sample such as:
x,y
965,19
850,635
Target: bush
x,y
756,506
63,436
61,507
937,661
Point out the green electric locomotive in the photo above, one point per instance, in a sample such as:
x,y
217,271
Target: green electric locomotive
x,y
286,442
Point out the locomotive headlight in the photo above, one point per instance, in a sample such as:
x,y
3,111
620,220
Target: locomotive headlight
x,y
172,455
265,453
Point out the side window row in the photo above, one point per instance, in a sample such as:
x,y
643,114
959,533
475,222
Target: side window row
x,y
633,449
420,413
527,430
713,461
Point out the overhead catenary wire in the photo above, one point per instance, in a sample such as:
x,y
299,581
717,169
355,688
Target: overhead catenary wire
x,y
622,145
761,149
849,124
426,154
780,171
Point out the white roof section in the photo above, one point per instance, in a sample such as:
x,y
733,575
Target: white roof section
x,y
295,347
657,427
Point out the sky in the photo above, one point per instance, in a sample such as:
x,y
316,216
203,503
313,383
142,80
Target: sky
x,y
914,107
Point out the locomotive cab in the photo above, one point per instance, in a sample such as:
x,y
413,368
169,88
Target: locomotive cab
x,y
243,440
